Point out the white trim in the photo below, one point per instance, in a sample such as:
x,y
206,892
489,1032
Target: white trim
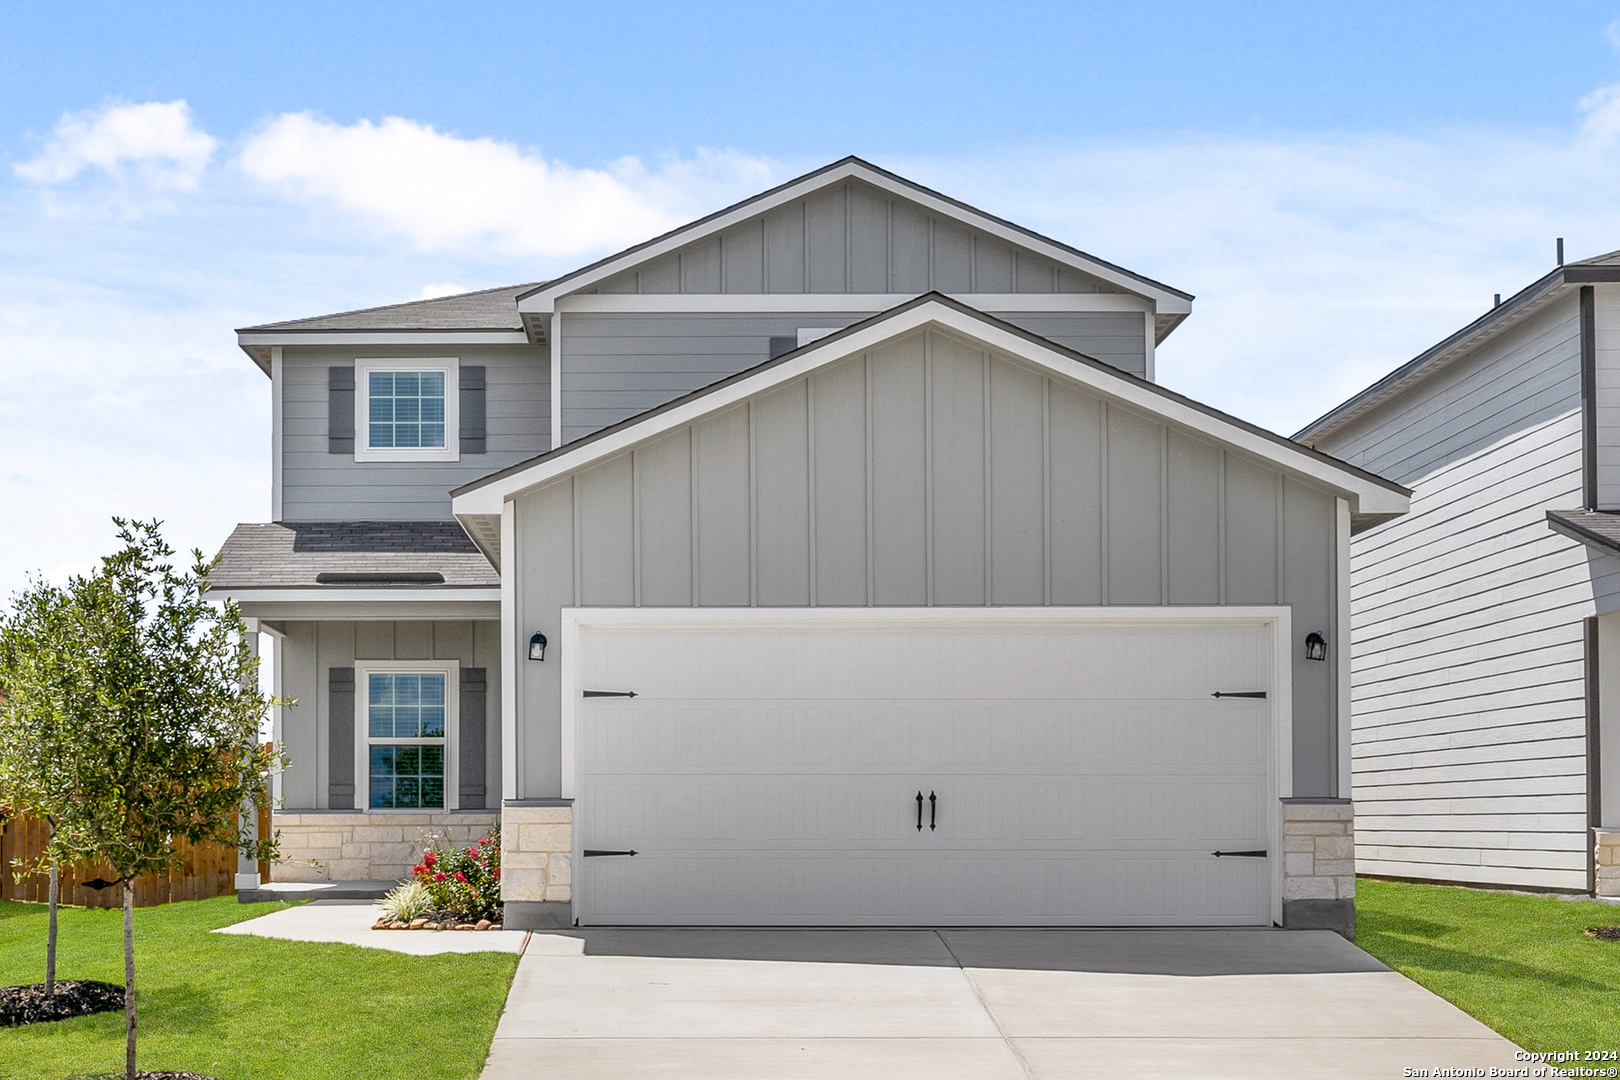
x,y
451,369
543,300
1279,700
1367,496
1340,647
278,386
555,391
451,670
510,654
870,303
1149,348
382,337
340,594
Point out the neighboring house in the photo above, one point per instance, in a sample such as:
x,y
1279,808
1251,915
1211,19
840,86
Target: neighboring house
x,y
1487,621
812,595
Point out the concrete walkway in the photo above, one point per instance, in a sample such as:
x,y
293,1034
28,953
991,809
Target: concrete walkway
x,y
981,1004
348,922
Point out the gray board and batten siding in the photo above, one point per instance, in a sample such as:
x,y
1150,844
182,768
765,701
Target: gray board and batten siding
x,y
319,485
851,238
617,365
1469,699
309,654
926,472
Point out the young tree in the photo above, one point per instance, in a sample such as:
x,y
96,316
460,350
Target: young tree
x,y
161,740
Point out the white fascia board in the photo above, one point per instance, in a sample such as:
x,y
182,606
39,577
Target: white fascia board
x,y
1366,496
868,303
321,594
304,610
382,337
544,301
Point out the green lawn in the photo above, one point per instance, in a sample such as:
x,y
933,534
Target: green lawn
x,y
247,1008
1517,963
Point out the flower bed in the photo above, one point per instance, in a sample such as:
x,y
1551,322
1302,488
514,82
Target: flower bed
x,y
435,920
450,889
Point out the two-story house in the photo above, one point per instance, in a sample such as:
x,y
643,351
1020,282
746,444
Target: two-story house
x,y
1487,622
834,559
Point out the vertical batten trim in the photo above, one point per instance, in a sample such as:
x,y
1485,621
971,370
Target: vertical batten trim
x,y
1281,583
888,246
511,651
1103,563
1164,513
932,226
973,262
725,275
849,236
764,254
1589,421
928,468
635,529
1220,527
1046,491
753,505
810,470
871,558
696,588
804,245
579,572
1341,647
556,392
988,494
1148,359
278,386
1594,748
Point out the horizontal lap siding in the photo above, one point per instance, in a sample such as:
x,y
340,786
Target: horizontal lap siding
x,y
928,472
319,486
1468,698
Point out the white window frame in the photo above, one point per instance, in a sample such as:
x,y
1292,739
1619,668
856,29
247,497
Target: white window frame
x,y
450,451
451,670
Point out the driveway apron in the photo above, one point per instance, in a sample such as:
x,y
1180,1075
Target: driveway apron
x,y
990,1004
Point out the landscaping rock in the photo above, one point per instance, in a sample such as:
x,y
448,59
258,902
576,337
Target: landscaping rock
x,y
417,924
482,924
74,997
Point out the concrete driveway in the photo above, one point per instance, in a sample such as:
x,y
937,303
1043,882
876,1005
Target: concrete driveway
x,y
981,1004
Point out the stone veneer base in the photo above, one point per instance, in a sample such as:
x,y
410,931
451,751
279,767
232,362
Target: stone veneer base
x,y
353,845
1319,865
1606,846
537,853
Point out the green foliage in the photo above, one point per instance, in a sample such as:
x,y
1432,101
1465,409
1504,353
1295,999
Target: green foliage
x,y
1519,964
252,1008
130,711
406,901
466,880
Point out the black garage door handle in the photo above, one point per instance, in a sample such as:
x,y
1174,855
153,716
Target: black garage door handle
x,y
1262,853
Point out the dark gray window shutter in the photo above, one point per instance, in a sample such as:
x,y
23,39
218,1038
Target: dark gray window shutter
x,y
474,712
340,410
472,409
340,739
780,345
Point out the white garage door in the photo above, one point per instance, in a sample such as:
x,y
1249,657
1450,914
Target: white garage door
x,y
1069,773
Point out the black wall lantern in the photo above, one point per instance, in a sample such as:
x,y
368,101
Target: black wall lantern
x,y
1315,646
537,646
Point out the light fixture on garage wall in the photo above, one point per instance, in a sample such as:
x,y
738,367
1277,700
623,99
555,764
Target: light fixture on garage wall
x,y
1315,646
537,646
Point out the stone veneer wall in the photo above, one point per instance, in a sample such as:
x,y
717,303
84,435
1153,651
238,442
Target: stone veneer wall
x,y
1319,865
1607,847
537,854
353,845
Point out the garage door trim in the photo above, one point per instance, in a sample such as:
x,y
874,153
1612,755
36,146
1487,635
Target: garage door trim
x,y
576,620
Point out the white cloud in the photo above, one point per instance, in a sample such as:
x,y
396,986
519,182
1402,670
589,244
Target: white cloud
x,y
156,143
435,289
446,193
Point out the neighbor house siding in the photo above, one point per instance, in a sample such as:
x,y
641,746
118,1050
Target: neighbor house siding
x,y
926,472
615,366
311,649
1469,692
322,486
852,238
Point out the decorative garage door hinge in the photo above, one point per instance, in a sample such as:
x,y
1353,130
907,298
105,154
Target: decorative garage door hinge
x,y
609,693
596,853
1258,854
1224,693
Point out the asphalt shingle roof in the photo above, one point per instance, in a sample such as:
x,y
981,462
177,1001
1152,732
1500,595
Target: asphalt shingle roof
x,y
1598,528
487,309
333,554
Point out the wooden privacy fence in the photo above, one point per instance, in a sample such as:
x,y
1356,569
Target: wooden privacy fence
x,y
204,870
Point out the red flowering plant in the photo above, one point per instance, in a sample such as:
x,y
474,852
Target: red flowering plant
x,y
465,881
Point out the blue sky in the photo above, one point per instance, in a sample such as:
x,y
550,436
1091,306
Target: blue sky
x,y
1340,185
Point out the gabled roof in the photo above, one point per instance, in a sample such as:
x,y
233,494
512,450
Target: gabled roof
x,y
1373,499
1532,298
541,298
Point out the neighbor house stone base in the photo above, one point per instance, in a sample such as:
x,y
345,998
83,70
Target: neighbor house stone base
x,y
1319,865
537,854
351,845
1607,847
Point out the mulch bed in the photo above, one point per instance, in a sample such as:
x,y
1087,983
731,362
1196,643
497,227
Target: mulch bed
x,y
1603,933
437,920
74,997
142,1076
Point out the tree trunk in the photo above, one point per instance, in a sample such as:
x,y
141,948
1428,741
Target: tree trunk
x,y
50,934
129,979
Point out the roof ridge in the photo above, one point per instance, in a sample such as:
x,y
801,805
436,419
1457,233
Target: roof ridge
x,y
402,304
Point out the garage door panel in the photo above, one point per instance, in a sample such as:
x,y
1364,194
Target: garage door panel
x,y
768,774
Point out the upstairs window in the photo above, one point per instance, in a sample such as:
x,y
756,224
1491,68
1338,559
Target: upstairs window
x,y
406,410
